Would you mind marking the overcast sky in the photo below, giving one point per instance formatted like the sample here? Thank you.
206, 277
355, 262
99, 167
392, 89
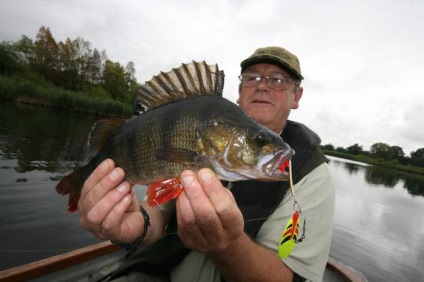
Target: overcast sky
363, 61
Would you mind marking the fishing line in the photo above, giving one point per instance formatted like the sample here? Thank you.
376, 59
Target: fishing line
290, 236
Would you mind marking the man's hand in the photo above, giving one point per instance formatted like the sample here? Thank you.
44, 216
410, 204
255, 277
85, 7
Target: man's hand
108, 206
209, 220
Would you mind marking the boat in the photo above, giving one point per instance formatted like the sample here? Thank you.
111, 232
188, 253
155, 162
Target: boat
94, 262
337, 271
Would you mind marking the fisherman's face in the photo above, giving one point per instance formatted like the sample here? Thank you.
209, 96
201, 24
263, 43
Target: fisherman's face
266, 105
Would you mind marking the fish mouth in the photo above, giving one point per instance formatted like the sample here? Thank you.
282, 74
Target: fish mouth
266, 169
272, 165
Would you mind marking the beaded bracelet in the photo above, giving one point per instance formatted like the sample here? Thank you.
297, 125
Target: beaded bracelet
132, 246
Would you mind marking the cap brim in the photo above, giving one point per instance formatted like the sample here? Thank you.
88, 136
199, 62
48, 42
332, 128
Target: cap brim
270, 60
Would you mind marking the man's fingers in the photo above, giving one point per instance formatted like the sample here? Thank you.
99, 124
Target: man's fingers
204, 211
221, 198
104, 206
114, 218
97, 175
188, 230
217, 194
90, 194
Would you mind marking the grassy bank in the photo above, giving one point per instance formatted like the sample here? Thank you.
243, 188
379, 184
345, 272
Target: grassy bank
379, 162
93, 101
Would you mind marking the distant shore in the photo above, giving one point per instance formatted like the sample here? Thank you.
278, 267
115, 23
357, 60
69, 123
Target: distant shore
378, 162
22, 91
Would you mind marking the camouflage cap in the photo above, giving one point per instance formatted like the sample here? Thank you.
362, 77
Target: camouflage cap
277, 56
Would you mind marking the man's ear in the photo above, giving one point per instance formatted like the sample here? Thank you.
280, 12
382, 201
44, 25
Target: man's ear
238, 99
297, 97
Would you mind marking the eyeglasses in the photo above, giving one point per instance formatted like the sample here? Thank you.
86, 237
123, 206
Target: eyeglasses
274, 81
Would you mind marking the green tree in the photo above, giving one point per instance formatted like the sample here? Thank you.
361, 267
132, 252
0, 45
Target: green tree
71, 64
80, 66
355, 149
417, 157
132, 86
8, 61
398, 152
83, 59
328, 147
25, 50
17, 56
69, 71
130, 76
341, 150
46, 60
114, 81
417, 154
93, 73
382, 150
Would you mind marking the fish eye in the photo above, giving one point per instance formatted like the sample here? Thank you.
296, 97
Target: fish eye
262, 139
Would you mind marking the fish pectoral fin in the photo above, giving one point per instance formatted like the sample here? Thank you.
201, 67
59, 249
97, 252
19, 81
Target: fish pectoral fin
159, 193
178, 155
101, 131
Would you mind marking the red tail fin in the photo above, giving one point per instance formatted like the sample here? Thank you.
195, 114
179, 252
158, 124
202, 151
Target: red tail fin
161, 192
71, 185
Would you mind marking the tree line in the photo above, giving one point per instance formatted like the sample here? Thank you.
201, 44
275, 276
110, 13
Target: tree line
379, 152
72, 65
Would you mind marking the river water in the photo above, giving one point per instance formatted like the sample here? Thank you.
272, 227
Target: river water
378, 228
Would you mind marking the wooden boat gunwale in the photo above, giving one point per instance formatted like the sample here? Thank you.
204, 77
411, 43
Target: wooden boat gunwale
58, 262
77, 257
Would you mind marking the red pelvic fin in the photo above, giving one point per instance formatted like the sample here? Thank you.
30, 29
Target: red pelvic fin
159, 193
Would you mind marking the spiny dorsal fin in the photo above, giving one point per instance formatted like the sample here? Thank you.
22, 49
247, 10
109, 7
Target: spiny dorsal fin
101, 131
193, 79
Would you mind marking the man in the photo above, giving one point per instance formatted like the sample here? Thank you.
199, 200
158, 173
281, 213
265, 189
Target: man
219, 226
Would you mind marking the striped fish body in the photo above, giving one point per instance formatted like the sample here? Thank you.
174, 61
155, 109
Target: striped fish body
160, 143
185, 126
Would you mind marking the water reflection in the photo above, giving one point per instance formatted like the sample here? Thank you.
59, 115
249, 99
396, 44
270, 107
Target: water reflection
37, 147
352, 168
378, 221
41, 139
414, 185
381, 176
389, 178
